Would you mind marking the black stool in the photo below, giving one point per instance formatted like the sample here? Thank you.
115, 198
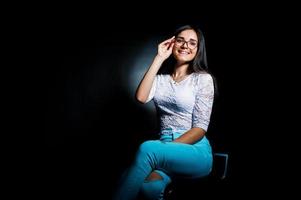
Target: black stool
185, 189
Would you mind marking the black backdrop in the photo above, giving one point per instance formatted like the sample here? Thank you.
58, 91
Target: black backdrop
93, 124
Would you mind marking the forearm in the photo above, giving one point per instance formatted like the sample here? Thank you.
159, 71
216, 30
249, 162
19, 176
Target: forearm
145, 85
192, 136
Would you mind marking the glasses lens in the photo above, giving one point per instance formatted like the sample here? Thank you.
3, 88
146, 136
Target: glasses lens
180, 41
190, 44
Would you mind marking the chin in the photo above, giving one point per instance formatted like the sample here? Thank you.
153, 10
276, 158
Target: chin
184, 59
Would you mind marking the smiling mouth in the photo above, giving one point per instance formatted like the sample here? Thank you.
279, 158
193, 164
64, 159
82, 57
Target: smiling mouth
183, 52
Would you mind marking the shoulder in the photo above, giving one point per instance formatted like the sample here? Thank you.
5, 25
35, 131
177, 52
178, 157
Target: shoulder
202, 77
162, 77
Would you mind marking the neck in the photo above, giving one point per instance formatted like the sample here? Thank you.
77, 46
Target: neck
180, 70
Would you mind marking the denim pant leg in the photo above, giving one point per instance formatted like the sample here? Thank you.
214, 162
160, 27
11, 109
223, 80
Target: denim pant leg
186, 160
154, 189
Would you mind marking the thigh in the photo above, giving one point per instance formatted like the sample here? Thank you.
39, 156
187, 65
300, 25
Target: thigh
183, 159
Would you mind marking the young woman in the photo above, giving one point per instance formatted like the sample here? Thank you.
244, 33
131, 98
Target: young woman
184, 98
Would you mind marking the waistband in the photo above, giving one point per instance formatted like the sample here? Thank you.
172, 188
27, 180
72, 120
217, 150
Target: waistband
169, 134
169, 131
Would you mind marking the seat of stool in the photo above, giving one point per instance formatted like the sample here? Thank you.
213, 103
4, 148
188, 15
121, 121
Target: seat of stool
188, 188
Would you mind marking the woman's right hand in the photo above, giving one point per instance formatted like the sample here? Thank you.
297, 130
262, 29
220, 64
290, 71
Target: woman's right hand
165, 48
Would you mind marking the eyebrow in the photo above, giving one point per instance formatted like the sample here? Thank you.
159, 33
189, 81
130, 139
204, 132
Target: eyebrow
188, 40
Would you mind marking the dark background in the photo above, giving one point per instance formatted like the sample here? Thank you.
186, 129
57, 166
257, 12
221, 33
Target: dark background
93, 125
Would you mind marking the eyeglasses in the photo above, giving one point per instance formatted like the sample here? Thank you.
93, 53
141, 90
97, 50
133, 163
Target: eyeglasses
191, 44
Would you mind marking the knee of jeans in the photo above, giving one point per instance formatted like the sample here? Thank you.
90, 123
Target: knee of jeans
149, 145
153, 189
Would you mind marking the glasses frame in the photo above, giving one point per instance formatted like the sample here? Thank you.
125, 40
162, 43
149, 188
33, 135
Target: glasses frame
185, 42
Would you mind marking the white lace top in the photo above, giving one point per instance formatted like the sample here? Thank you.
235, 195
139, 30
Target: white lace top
185, 104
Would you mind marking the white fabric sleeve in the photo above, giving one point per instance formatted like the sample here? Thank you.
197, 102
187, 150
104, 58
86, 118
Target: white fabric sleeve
153, 90
204, 102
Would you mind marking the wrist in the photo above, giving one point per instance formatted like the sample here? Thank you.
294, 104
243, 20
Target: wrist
159, 59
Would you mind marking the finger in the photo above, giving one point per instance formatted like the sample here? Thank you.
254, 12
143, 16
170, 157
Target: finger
170, 45
170, 39
165, 44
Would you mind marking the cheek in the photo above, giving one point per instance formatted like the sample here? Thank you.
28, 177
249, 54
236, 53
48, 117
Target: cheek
193, 54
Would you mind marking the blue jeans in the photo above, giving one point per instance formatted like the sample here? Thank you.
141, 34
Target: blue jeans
169, 160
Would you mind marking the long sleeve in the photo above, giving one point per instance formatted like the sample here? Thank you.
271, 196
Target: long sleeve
203, 103
153, 90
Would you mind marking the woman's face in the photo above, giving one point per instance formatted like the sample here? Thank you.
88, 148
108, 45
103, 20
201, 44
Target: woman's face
186, 46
